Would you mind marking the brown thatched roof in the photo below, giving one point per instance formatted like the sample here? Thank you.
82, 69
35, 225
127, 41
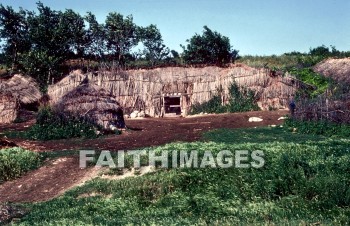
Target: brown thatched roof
91, 101
66, 85
23, 88
338, 69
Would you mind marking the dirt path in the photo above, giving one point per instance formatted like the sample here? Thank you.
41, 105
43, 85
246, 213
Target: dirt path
57, 176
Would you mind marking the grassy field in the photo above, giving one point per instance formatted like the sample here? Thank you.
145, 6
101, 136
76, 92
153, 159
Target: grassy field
305, 180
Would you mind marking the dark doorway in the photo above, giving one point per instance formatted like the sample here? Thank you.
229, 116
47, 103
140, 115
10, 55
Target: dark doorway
172, 105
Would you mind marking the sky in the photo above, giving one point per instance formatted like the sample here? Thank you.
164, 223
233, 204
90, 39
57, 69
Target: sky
254, 27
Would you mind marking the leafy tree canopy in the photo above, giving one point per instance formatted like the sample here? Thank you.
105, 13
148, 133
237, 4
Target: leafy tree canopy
209, 48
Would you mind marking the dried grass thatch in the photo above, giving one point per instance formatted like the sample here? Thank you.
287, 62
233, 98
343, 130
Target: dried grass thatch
8, 107
144, 89
24, 88
14, 92
90, 101
338, 69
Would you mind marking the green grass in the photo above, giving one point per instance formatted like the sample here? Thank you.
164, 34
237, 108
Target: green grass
305, 180
322, 127
14, 162
260, 135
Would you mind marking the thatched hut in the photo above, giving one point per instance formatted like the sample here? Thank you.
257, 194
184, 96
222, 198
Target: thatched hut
337, 69
173, 90
15, 93
90, 101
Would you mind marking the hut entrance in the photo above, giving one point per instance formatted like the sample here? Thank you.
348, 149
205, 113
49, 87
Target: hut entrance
172, 105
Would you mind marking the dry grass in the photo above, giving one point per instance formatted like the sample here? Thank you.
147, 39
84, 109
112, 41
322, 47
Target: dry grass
338, 69
15, 91
143, 89
90, 101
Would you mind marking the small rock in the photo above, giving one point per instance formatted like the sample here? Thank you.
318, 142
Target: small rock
255, 119
282, 118
141, 114
112, 127
126, 116
133, 115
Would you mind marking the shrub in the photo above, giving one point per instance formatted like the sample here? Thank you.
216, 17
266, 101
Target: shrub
14, 162
51, 124
214, 105
307, 75
240, 99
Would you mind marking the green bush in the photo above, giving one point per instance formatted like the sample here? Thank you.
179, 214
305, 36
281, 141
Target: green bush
308, 76
52, 125
16, 161
325, 128
241, 99
212, 106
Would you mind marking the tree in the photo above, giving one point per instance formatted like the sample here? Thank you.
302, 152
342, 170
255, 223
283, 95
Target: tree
209, 48
152, 40
14, 33
320, 51
121, 34
95, 37
72, 26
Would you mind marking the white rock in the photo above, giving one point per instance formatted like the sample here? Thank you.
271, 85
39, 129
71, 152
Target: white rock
141, 114
273, 125
201, 113
255, 119
126, 116
282, 118
112, 127
133, 115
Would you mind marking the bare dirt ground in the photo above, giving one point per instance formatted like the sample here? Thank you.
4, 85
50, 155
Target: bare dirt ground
58, 175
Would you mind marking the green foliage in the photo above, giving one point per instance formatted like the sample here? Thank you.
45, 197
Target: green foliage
325, 128
14, 162
209, 48
291, 60
214, 105
52, 125
281, 62
40, 43
155, 51
241, 99
121, 34
301, 183
308, 76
